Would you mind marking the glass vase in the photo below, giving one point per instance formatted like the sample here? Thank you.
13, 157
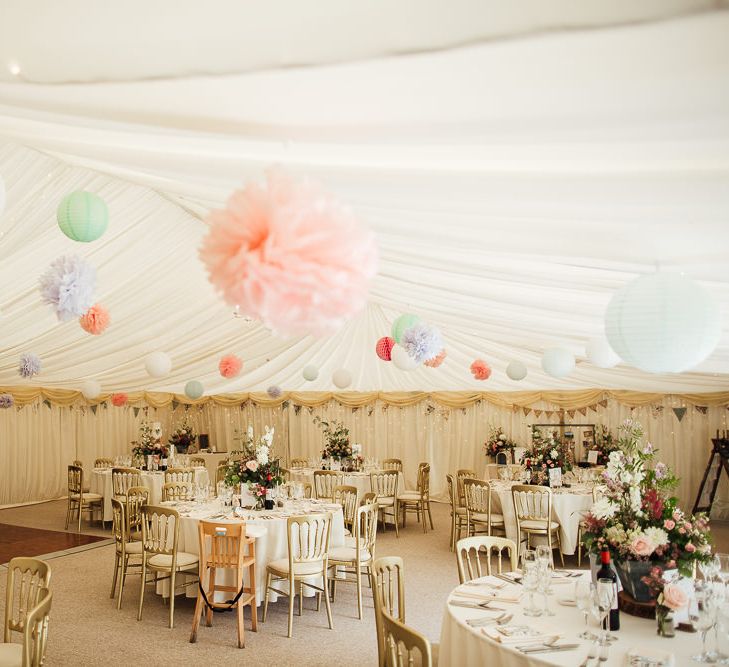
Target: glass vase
664, 622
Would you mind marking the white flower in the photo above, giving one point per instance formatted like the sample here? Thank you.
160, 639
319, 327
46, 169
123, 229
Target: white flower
554, 453
604, 509
616, 534
250, 433
657, 536
268, 437
262, 455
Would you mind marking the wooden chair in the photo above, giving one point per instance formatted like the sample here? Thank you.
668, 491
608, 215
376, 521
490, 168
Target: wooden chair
220, 473
34, 627
418, 501
103, 463
180, 475
160, 536
347, 497
176, 491
478, 507
392, 464
358, 557
462, 474
388, 591
308, 541
122, 479
325, 481
78, 500
298, 463
368, 498
226, 547
124, 549
533, 509
79, 463
469, 551
404, 646
384, 484
27, 578
197, 462
308, 492
136, 497
458, 513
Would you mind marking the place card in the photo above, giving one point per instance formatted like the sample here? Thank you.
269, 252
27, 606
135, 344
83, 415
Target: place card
592, 457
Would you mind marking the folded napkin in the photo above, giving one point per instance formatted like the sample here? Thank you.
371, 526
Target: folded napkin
488, 596
519, 634
642, 655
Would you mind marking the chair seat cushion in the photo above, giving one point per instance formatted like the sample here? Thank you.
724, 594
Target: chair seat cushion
348, 554
496, 519
135, 548
281, 566
385, 501
11, 655
347, 532
89, 497
532, 524
409, 495
461, 510
185, 561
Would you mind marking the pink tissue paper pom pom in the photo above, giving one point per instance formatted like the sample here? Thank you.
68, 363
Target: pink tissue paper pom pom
480, 370
230, 366
95, 319
437, 360
290, 255
119, 400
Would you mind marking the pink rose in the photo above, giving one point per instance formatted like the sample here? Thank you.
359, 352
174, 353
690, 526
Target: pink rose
687, 526
690, 548
669, 524
682, 530
677, 515
252, 465
641, 546
674, 597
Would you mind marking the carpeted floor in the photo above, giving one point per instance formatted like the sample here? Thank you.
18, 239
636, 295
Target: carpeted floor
86, 628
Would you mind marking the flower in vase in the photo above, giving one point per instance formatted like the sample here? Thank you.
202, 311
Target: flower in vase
674, 597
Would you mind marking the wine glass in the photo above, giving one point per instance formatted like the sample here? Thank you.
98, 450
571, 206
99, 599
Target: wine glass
606, 598
702, 614
545, 579
530, 581
544, 559
723, 563
710, 568
583, 594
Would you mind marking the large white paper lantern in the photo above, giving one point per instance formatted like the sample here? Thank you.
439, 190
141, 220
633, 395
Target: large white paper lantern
158, 364
516, 370
600, 354
662, 323
402, 359
342, 378
558, 362
310, 373
91, 389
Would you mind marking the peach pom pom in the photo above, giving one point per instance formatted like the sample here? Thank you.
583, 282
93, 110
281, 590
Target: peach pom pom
119, 400
95, 319
481, 370
290, 255
230, 366
437, 360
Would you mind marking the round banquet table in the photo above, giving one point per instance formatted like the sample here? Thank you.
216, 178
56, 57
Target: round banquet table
269, 527
462, 645
360, 480
568, 506
152, 480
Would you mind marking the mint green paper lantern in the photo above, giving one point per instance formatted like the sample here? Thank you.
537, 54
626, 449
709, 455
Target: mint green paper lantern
402, 323
194, 389
83, 216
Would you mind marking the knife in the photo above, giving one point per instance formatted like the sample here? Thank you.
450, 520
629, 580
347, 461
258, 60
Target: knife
507, 579
548, 649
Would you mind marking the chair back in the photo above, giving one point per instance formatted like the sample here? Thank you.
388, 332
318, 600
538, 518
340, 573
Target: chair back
532, 502
118, 523
160, 531
103, 463
470, 550
35, 635
463, 474
220, 473
424, 480
325, 481
451, 492
197, 462
404, 646
388, 591
477, 495
308, 538
298, 463
368, 498
122, 479
75, 480
26, 580
285, 473
384, 483
136, 497
221, 545
176, 491
365, 527
78, 462
307, 489
392, 464
179, 475
347, 497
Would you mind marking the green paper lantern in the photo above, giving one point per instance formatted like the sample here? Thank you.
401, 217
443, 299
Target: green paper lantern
402, 323
194, 389
83, 216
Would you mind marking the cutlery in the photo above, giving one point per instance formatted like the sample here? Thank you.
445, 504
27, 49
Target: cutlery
503, 619
550, 648
508, 580
590, 655
498, 587
475, 605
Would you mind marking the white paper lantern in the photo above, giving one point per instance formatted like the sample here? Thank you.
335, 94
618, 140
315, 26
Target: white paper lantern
558, 362
662, 323
402, 359
342, 378
91, 389
311, 373
194, 389
158, 364
600, 354
516, 370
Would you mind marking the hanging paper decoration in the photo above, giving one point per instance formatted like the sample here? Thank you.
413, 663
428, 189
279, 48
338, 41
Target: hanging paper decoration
273, 391
6, 401
68, 285
558, 362
30, 365
600, 354
290, 255
437, 360
82, 216
95, 319
402, 359
158, 364
91, 389
194, 389
230, 366
663, 323
384, 348
421, 341
310, 373
401, 323
480, 370
516, 370
679, 412
119, 400
342, 378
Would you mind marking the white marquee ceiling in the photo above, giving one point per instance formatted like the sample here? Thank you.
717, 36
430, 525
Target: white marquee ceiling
513, 185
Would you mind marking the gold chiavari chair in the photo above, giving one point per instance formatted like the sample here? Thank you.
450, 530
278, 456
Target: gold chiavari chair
286, 474
124, 549
347, 497
325, 481
533, 509
462, 474
368, 498
176, 491
79, 463
388, 591
160, 536
384, 484
358, 557
298, 463
469, 551
404, 646
478, 508
180, 475
197, 462
122, 479
26, 580
308, 490
308, 541
80, 501
136, 497
392, 464
458, 513
220, 473
418, 501
225, 547
103, 463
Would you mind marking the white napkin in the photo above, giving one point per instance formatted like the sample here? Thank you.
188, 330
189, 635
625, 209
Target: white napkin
665, 658
495, 596
518, 634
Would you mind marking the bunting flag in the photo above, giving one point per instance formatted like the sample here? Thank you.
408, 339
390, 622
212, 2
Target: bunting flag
703, 409
571, 413
526, 411
679, 412
93, 408
136, 412
538, 413
593, 407
46, 402
603, 402
175, 405
583, 411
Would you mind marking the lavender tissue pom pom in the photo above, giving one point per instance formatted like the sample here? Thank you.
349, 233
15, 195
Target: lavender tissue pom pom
68, 285
6, 401
30, 365
274, 391
421, 341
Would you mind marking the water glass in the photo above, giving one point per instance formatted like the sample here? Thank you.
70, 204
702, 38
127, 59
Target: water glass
606, 596
702, 614
584, 591
545, 579
530, 581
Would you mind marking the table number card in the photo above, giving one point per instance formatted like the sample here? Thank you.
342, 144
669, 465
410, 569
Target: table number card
555, 477
592, 457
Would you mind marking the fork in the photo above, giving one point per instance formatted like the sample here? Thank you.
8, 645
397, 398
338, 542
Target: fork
502, 619
591, 655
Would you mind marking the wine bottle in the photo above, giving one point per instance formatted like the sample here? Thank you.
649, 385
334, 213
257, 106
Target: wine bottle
607, 572
268, 502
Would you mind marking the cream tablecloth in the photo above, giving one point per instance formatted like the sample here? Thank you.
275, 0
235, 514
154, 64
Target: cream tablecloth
361, 480
211, 462
462, 645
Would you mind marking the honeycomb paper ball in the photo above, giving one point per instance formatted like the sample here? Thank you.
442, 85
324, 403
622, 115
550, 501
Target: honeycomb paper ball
384, 348
194, 389
310, 373
83, 216
158, 364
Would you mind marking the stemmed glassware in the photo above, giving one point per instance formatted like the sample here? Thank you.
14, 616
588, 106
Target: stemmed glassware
530, 579
584, 590
703, 616
604, 598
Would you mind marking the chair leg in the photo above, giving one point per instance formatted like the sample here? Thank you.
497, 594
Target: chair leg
254, 603
172, 599
301, 598
265, 600
117, 559
211, 591
124, 565
240, 616
196, 618
68, 511
141, 589
359, 589
80, 512
430, 516
326, 599
559, 546
292, 595
396, 512
421, 510
453, 530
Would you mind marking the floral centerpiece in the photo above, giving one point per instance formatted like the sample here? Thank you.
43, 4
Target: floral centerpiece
547, 452
183, 436
254, 465
337, 444
150, 441
604, 444
639, 520
498, 442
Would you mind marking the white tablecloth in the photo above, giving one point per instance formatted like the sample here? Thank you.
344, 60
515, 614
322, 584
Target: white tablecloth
270, 530
462, 645
153, 480
361, 480
211, 462
567, 508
